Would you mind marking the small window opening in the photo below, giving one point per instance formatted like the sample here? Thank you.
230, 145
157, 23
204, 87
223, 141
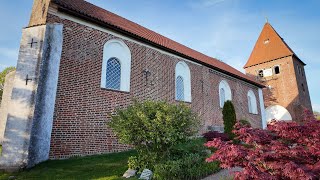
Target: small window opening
260, 73
303, 87
266, 41
277, 70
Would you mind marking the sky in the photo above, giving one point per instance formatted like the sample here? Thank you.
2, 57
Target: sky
224, 29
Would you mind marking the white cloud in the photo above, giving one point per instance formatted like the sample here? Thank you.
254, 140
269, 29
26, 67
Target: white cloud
316, 107
208, 3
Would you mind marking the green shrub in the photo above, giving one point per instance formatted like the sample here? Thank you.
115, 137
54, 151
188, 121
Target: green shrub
229, 118
153, 128
245, 122
192, 146
192, 166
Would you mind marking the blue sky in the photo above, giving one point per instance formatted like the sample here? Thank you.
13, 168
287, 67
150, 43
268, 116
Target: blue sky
224, 29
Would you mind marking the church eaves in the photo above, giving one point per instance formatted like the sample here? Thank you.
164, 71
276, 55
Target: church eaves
269, 46
100, 16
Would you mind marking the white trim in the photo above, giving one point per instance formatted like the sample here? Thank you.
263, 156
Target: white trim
277, 112
262, 109
253, 102
182, 69
227, 92
116, 48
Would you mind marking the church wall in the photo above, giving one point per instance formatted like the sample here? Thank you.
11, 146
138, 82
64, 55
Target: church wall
283, 88
304, 96
83, 108
6, 97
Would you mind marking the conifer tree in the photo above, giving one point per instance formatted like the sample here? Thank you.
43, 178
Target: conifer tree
229, 118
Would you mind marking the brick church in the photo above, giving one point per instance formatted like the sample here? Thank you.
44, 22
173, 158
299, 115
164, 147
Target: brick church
78, 63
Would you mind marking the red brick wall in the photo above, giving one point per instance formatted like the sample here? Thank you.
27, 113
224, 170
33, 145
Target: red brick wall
286, 89
82, 107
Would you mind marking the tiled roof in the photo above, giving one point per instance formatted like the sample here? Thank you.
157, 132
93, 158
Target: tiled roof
97, 14
269, 46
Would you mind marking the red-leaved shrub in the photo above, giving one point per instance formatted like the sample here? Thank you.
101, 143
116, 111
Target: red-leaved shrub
285, 150
209, 136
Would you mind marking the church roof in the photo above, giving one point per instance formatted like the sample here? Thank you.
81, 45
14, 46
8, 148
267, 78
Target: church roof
269, 46
95, 14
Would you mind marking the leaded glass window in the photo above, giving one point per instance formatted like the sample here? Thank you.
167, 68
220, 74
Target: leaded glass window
113, 74
250, 104
179, 89
222, 97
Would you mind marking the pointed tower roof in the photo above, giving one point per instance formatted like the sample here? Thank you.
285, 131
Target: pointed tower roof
269, 46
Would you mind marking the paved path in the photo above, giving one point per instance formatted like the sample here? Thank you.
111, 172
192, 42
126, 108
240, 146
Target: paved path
224, 174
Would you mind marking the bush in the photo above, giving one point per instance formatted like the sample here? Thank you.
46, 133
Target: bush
192, 146
209, 136
153, 128
244, 122
229, 118
286, 150
192, 166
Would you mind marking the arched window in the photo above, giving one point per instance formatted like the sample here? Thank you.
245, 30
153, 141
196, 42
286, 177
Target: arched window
224, 92
113, 76
252, 102
179, 89
116, 66
276, 70
183, 82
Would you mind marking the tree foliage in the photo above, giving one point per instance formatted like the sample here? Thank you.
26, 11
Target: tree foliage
153, 128
3, 78
286, 150
229, 118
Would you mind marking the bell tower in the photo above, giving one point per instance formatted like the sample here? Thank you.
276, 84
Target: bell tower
275, 65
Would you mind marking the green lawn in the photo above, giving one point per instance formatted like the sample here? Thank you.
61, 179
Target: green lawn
106, 167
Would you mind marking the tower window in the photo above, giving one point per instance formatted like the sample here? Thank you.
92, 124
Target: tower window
303, 88
260, 73
276, 70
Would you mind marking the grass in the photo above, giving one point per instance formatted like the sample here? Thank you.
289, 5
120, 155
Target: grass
98, 167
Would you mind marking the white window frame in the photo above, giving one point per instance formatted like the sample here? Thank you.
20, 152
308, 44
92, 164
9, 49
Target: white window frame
116, 48
182, 69
227, 93
252, 102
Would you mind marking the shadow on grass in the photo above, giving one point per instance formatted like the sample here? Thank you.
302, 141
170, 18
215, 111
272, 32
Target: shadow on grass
98, 167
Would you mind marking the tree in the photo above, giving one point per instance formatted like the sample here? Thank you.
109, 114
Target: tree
286, 150
229, 118
3, 78
317, 114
